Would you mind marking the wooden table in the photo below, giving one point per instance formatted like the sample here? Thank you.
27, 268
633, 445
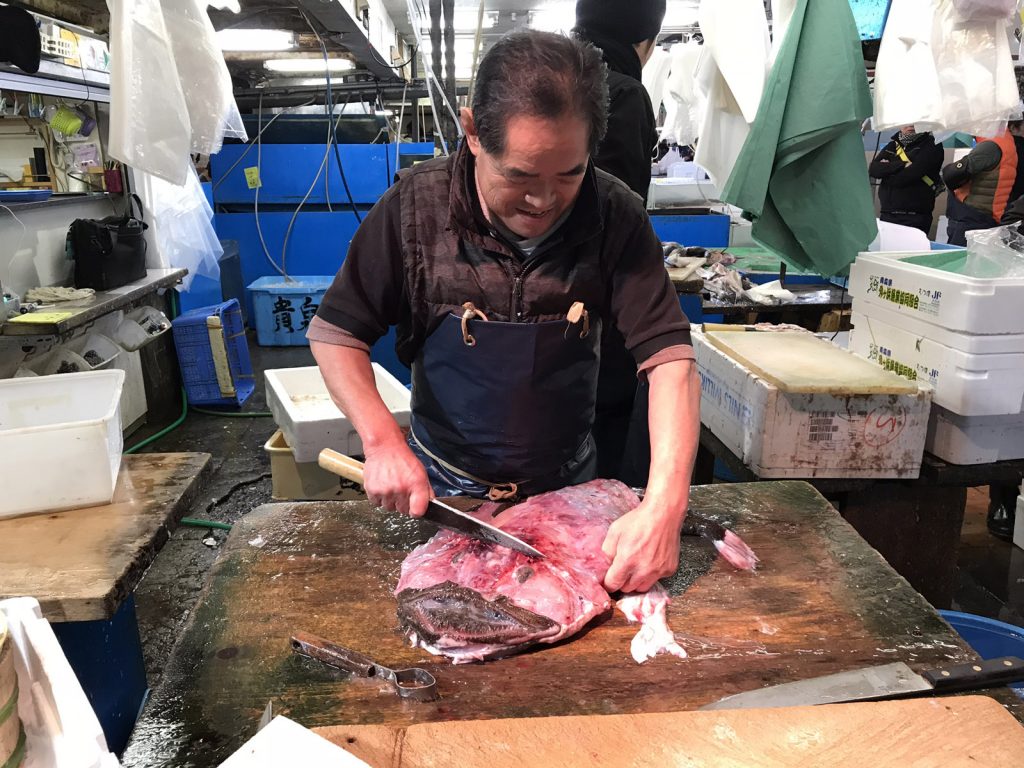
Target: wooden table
823, 601
83, 565
915, 524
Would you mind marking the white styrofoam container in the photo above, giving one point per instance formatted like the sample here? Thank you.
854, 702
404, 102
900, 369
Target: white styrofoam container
61, 729
60, 441
964, 383
1018, 523
969, 304
801, 435
310, 420
975, 439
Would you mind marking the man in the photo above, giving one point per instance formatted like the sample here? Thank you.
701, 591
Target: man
626, 32
909, 169
982, 183
519, 228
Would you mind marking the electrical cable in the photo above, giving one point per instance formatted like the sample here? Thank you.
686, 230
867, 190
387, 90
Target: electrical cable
330, 105
401, 119
259, 185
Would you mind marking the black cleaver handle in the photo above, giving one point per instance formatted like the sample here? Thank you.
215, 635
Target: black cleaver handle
980, 674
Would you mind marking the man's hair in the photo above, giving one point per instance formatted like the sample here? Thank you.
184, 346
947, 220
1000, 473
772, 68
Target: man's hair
539, 74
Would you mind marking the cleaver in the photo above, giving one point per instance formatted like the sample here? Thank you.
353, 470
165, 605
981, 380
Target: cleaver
889, 681
439, 513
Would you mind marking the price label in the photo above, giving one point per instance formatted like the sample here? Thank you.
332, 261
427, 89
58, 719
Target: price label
252, 177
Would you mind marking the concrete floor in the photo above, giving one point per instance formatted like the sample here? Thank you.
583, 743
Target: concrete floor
991, 571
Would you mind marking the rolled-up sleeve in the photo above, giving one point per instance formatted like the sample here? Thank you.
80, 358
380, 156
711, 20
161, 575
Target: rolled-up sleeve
366, 296
644, 302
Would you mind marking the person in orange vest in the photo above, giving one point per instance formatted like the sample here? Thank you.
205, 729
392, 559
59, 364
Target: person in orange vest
908, 172
984, 182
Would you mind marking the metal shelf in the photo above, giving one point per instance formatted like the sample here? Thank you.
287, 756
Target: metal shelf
60, 80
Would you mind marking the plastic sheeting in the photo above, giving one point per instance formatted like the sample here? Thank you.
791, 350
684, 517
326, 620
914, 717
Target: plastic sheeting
181, 220
164, 106
938, 71
731, 75
683, 105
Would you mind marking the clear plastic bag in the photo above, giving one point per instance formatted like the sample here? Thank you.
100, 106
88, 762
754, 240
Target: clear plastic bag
985, 10
996, 252
205, 80
149, 128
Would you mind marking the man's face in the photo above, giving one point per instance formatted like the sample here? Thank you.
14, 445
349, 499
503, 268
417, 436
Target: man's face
908, 130
536, 179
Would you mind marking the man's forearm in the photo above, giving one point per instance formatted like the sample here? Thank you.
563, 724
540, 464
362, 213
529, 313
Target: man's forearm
351, 383
674, 420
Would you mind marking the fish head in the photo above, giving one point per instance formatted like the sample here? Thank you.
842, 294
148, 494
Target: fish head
450, 616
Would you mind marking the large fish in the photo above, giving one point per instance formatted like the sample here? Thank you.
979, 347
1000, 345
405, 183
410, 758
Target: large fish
470, 600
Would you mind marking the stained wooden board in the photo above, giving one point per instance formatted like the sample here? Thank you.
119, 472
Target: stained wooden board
822, 602
82, 563
801, 362
966, 730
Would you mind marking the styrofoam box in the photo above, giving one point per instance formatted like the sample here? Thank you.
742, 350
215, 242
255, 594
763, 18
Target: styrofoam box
60, 441
310, 420
61, 729
790, 435
969, 304
1018, 524
975, 439
966, 384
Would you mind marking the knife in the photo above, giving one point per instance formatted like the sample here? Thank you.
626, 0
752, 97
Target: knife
889, 681
439, 513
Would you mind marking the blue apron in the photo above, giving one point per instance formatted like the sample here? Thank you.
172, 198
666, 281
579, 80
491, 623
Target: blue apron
505, 409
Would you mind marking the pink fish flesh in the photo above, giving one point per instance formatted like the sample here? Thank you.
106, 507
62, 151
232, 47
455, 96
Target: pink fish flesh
471, 600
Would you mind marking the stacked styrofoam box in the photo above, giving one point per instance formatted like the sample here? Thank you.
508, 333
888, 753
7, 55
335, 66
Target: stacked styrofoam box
802, 435
962, 335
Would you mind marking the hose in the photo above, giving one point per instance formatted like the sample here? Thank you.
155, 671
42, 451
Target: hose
169, 428
197, 523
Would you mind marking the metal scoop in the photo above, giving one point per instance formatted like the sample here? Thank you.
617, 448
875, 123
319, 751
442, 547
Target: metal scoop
414, 683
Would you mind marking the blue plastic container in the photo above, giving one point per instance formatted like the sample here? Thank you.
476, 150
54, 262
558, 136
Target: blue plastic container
213, 355
283, 309
989, 638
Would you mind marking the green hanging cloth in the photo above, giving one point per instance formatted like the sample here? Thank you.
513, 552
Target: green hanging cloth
802, 171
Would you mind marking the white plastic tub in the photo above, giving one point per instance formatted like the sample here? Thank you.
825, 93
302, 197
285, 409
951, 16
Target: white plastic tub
310, 420
968, 384
60, 441
948, 299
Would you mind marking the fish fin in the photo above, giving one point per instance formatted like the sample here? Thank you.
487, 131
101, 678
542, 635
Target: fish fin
736, 552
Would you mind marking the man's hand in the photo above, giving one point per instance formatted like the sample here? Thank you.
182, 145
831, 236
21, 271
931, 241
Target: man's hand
394, 479
643, 546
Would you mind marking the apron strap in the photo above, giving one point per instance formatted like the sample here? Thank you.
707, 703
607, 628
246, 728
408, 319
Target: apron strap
469, 312
495, 492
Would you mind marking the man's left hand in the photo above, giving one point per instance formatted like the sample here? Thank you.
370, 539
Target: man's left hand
643, 546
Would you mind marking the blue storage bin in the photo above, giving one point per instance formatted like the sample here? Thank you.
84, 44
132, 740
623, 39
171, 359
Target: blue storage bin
282, 309
213, 355
989, 638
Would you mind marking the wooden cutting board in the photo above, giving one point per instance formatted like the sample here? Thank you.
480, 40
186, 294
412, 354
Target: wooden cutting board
953, 731
803, 363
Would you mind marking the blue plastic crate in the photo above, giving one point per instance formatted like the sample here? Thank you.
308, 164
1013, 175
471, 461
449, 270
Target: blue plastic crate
283, 309
215, 365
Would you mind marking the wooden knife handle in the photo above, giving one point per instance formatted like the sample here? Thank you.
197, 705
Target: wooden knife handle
980, 674
340, 464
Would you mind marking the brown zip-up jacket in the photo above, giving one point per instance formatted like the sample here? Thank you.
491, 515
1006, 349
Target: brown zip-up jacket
426, 248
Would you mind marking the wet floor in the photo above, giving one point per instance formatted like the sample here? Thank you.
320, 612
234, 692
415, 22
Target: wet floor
991, 580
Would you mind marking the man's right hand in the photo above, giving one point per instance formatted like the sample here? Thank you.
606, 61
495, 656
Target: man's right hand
394, 479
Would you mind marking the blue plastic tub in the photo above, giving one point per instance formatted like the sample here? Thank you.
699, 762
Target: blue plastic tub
989, 638
283, 309
213, 355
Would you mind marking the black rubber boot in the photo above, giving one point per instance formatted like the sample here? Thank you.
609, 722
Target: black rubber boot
1002, 508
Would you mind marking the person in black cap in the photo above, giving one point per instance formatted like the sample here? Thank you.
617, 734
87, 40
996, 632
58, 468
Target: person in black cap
626, 32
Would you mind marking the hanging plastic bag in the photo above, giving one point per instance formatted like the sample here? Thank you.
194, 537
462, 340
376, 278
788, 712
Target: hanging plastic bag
985, 10
996, 252
203, 74
149, 128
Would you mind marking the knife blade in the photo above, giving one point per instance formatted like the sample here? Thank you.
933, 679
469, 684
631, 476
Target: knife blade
439, 513
888, 681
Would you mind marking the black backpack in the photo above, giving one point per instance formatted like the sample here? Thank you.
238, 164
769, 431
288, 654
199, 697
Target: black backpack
110, 252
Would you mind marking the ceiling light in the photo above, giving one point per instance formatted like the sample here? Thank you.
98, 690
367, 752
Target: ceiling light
309, 65
554, 17
255, 40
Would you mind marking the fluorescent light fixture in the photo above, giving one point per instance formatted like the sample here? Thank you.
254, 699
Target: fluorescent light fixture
255, 40
384, 112
308, 65
680, 13
554, 17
